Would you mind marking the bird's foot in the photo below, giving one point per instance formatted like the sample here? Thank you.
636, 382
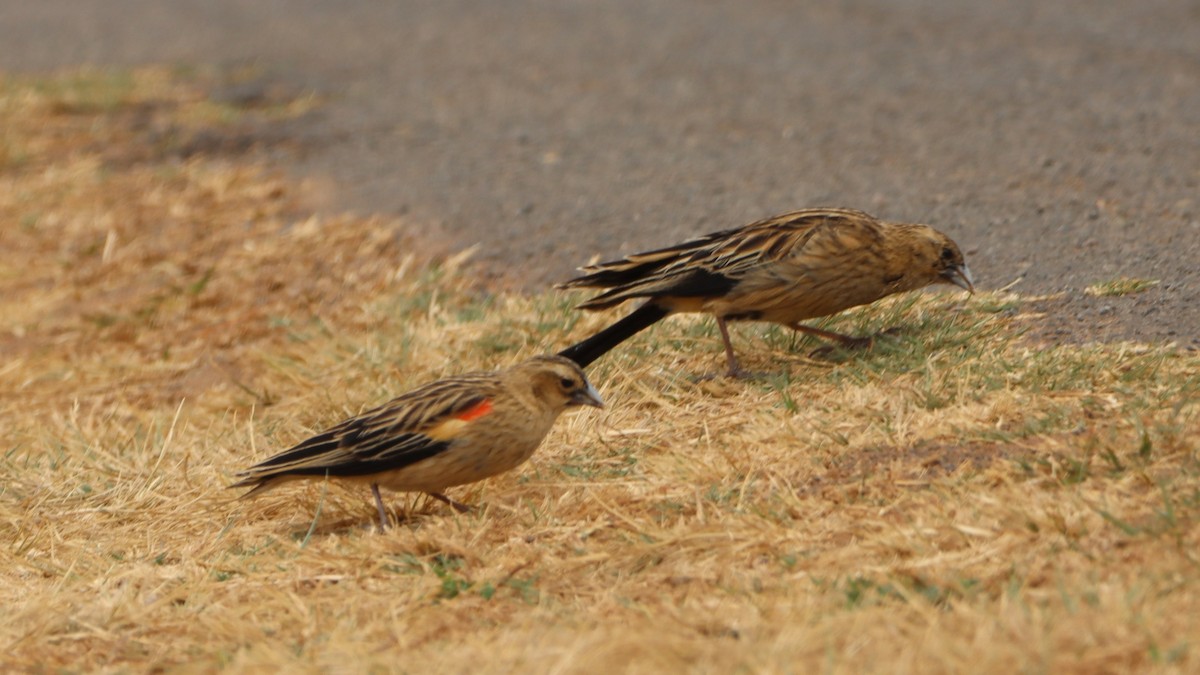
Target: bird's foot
851, 343
457, 506
737, 374
743, 374
848, 344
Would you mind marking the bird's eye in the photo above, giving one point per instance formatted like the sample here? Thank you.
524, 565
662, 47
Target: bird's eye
567, 383
947, 254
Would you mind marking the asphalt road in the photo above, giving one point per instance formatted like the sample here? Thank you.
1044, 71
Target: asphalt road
1058, 142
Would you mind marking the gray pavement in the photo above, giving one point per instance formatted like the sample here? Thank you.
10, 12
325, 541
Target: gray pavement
1058, 142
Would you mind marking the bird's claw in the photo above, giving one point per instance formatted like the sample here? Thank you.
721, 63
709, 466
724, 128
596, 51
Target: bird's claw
849, 343
457, 506
737, 374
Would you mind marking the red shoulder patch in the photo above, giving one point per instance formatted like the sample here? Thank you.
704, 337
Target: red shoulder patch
476, 411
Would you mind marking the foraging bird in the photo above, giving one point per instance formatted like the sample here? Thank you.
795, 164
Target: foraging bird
786, 269
450, 432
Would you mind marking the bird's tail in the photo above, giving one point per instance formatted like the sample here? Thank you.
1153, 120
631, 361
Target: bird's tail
592, 348
257, 484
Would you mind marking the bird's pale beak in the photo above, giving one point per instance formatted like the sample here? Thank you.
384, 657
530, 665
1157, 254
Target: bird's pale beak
588, 396
960, 275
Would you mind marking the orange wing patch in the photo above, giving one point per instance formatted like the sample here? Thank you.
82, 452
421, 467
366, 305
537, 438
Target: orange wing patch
454, 425
476, 411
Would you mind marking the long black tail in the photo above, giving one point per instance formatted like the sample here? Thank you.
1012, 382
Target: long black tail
599, 344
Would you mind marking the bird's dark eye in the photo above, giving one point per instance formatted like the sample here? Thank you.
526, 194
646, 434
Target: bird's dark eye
947, 254
567, 383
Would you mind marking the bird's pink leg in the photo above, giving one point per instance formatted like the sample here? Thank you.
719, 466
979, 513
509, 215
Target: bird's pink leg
457, 506
730, 358
847, 341
379, 505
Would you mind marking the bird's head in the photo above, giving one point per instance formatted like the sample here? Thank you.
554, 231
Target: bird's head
939, 259
560, 383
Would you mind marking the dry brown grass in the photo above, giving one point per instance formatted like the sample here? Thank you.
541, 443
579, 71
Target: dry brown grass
956, 500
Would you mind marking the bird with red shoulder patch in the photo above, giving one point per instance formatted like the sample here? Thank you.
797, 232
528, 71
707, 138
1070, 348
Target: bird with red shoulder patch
450, 432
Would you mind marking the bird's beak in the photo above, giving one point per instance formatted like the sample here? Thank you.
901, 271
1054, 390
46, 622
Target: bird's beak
588, 396
960, 275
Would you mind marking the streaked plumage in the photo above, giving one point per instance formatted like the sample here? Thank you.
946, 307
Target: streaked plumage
786, 269
450, 432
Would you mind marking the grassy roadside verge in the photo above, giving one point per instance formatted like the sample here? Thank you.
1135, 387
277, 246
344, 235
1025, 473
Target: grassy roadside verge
957, 499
